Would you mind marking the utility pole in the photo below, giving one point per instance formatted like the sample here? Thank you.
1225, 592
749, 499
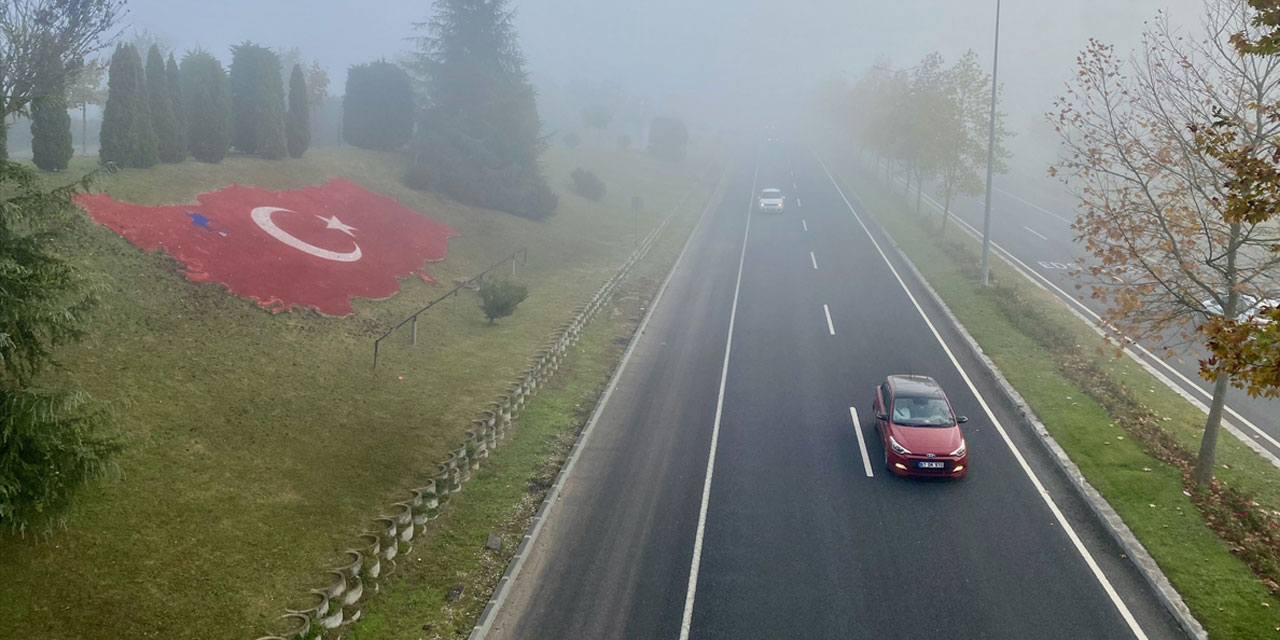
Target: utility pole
991, 152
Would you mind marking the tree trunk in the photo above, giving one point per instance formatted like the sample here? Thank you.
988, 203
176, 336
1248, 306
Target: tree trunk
1209, 443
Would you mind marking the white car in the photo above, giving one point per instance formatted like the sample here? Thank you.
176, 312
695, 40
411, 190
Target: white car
1252, 308
771, 200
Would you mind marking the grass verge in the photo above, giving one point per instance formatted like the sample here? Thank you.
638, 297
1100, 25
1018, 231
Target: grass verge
259, 444
1220, 588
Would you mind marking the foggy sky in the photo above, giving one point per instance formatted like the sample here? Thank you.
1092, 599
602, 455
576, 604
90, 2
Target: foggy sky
742, 62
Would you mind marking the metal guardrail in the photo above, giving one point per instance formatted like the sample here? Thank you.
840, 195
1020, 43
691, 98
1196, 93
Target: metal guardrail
479, 278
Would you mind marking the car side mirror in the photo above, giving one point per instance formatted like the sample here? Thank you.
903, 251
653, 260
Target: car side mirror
882, 416
961, 419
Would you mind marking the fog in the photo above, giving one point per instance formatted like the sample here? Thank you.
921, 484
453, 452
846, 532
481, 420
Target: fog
724, 63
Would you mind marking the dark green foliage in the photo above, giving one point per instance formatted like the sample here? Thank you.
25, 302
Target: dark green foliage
668, 139
207, 94
257, 101
297, 131
51, 442
499, 298
50, 125
571, 139
377, 110
479, 137
173, 82
597, 116
160, 102
624, 141
127, 139
588, 185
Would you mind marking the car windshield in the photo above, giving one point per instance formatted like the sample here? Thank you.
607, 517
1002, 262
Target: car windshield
921, 411
771, 193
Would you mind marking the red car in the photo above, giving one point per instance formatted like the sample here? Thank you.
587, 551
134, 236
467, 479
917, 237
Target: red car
920, 432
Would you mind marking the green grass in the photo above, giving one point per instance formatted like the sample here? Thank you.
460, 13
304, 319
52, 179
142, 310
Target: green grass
1222, 592
259, 444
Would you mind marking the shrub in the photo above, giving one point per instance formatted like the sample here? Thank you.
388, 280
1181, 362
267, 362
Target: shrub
572, 139
668, 138
588, 185
377, 109
499, 298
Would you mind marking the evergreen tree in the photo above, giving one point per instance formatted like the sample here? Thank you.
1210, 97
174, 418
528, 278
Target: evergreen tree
51, 145
127, 139
173, 82
479, 137
298, 124
257, 101
207, 94
377, 109
160, 102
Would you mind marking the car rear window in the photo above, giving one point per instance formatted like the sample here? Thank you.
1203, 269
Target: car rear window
772, 193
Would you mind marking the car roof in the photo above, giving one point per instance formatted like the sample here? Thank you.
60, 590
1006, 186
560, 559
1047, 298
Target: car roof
914, 385
768, 189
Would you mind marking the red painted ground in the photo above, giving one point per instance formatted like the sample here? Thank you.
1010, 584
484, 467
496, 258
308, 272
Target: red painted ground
316, 247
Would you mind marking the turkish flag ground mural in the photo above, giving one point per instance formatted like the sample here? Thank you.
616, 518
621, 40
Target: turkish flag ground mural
316, 247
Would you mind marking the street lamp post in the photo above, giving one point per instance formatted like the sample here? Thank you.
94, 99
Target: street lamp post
991, 151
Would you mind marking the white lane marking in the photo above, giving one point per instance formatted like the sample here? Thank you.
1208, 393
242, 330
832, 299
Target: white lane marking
814, 260
1033, 205
795, 187
797, 202
1148, 363
804, 224
862, 445
1034, 233
687, 620
830, 327
1022, 462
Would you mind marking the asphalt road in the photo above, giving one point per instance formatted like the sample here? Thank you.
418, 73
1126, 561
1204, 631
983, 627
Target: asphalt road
1040, 240
785, 532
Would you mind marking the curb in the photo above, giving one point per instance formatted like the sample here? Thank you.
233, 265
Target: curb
487, 617
1111, 520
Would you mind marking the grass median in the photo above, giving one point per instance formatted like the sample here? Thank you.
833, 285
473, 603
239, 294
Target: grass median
259, 444
1221, 589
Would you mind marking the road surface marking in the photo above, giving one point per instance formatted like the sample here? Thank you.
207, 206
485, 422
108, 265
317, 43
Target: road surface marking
804, 224
830, 327
862, 445
687, 620
814, 260
1151, 360
1034, 233
1034, 205
795, 187
797, 202
1022, 462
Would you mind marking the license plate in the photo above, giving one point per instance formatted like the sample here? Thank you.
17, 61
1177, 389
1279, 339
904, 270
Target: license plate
927, 464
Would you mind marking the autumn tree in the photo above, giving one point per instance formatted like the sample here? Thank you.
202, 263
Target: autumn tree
30, 30
963, 130
1153, 202
86, 89
317, 85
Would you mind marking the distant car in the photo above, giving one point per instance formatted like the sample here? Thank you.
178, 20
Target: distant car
918, 429
1253, 309
771, 200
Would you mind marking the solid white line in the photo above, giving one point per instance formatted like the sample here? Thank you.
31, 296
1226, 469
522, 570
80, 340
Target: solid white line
830, 327
862, 445
804, 224
1033, 232
1022, 462
1151, 360
1033, 205
687, 620
814, 260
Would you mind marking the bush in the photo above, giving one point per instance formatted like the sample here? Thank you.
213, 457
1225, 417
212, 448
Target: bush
588, 185
461, 175
377, 109
572, 139
668, 139
499, 298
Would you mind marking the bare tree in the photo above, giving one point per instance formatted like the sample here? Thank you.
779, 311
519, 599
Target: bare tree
1151, 198
72, 29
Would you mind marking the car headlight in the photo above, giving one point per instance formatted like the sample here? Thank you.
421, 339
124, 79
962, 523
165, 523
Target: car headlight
897, 448
959, 452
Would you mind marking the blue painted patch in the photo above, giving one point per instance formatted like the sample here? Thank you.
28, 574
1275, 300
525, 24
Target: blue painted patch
201, 221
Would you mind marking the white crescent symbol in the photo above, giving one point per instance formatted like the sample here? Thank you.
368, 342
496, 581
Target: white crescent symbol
262, 217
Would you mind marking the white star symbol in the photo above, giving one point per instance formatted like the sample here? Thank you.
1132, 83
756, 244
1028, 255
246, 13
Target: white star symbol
332, 222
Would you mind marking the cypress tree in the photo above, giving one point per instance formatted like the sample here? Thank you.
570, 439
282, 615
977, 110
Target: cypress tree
160, 102
173, 81
298, 124
377, 108
127, 138
257, 101
207, 94
51, 144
